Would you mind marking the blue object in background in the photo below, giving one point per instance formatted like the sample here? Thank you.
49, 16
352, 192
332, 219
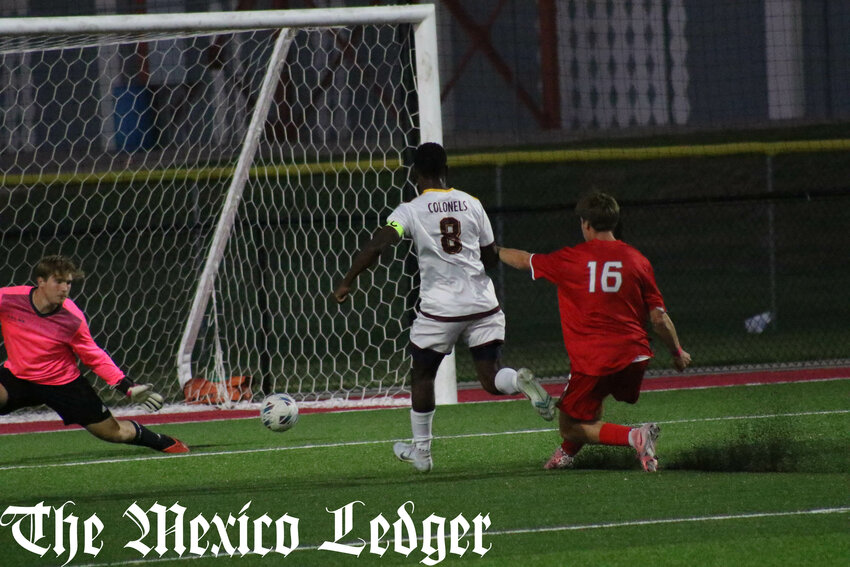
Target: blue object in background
134, 121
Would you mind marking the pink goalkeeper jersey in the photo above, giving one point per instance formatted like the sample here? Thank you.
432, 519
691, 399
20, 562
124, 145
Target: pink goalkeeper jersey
43, 348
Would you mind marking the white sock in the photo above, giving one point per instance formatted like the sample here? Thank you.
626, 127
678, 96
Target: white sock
506, 381
633, 436
420, 423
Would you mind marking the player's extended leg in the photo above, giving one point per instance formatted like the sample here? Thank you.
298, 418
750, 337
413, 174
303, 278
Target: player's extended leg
422, 405
501, 381
581, 417
576, 433
115, 431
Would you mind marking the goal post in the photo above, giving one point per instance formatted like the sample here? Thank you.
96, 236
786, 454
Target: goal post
241, 154
228, 211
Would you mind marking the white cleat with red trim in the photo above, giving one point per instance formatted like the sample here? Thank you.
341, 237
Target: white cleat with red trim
643, 440
559, 460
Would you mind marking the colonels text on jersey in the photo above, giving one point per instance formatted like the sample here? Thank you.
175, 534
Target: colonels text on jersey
448, 228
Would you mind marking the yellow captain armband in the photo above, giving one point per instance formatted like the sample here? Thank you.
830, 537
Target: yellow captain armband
398, 228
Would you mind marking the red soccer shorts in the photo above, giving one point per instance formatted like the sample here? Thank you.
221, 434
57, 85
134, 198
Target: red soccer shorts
583, 397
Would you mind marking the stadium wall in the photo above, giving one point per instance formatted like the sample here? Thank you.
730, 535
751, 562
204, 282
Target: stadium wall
732, 236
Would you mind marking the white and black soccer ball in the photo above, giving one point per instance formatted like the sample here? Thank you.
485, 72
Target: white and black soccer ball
279, 412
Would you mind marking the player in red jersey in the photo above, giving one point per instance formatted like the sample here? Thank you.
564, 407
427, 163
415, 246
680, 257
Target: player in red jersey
44, 333
606, 293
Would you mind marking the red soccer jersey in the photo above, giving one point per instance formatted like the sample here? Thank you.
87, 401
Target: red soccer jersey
605, 292
44, 348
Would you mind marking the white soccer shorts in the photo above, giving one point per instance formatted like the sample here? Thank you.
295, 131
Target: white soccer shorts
442, 336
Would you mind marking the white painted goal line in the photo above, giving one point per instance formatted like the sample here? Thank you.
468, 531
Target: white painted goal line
388, 441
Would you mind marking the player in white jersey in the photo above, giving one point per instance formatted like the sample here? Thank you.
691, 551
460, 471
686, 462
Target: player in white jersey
454, 243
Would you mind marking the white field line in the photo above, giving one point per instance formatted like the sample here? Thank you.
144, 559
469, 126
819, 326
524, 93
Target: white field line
339, 407
387, 441
632, 523
331, 405
544, 529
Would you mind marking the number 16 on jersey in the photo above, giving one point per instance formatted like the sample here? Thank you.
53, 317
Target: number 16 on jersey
610, 279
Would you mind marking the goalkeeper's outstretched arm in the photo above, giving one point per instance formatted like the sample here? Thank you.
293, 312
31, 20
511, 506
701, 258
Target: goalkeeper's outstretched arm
365, 259
143, 394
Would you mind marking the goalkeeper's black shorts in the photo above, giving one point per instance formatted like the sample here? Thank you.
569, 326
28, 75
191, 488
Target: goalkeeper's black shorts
75, 402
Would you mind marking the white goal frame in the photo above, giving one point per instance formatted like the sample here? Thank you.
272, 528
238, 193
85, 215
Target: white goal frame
421, 17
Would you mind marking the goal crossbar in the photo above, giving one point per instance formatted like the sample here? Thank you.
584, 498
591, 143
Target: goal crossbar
215, 21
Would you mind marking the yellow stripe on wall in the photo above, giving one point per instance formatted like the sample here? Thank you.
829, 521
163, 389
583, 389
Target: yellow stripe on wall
211, 173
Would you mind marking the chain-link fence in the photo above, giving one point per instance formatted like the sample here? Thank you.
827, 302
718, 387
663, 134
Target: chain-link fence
749, 251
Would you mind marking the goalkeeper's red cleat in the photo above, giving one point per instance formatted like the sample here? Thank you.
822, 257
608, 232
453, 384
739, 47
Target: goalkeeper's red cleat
177, 447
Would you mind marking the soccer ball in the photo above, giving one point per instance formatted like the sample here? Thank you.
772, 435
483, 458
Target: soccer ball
279, 412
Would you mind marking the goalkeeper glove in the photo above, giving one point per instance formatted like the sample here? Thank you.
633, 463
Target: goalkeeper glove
140, 394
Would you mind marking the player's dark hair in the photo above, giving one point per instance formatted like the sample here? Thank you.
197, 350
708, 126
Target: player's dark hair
430, 160
600, 210
56, 265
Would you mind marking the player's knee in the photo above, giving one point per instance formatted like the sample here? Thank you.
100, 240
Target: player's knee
487, 353
487, 364
425, 362
4, 397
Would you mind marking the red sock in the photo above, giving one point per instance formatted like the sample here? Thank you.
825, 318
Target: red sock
571, 448
613, 434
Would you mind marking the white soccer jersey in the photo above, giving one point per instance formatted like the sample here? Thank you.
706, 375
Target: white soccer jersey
448, 228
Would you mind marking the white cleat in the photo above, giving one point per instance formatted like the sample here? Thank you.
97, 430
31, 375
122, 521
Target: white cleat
540, 398
409, 453
644, 438
559, 460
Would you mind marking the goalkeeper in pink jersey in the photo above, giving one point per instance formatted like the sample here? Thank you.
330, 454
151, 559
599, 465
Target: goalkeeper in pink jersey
45, 333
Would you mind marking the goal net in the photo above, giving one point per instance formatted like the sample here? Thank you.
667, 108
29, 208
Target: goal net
213, 175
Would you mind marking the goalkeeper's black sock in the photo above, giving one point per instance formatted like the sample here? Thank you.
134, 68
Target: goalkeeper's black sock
147, 438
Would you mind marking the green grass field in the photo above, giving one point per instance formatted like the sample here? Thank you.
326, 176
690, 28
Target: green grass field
750, 475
